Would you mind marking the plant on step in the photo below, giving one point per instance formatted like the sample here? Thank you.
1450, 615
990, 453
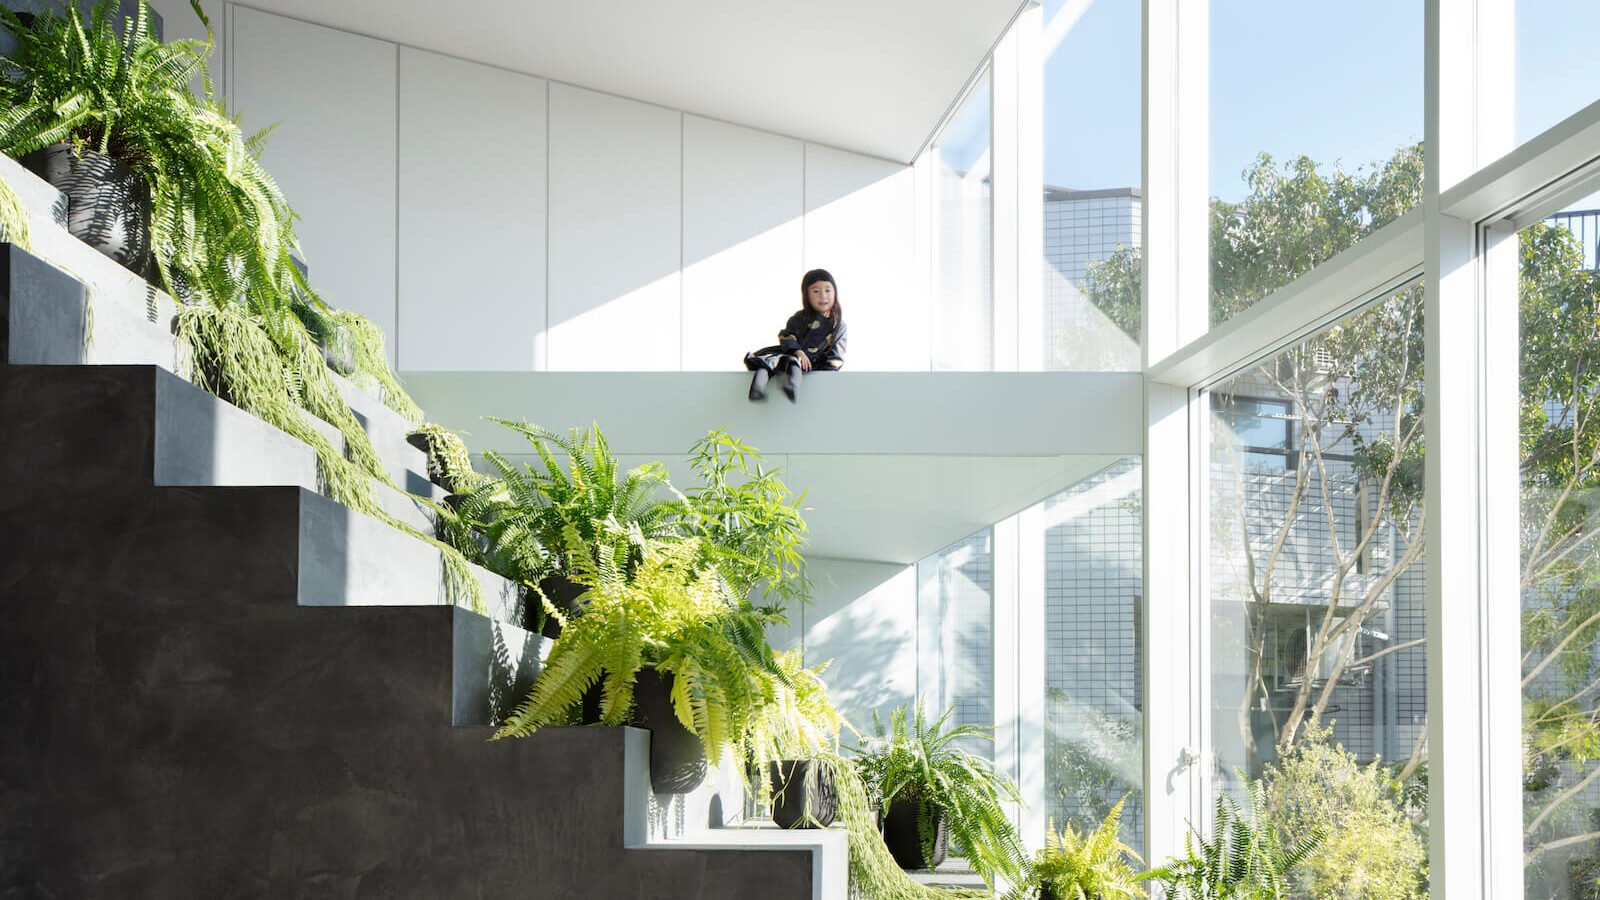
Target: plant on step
372, 373
221, 229
797, 724
562, 513
449, 463
278, 376
1244, 859
1082, 866
667, 615
873, 871
748, 518
13, 217
920, 762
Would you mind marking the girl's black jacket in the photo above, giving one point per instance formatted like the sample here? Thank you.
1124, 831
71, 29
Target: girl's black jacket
822, 338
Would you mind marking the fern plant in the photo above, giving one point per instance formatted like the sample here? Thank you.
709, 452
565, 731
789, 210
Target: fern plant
669, 615
920, 761
221, 229
1078, 866
1245, 860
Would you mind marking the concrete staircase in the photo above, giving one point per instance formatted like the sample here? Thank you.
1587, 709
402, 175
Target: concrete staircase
223, 684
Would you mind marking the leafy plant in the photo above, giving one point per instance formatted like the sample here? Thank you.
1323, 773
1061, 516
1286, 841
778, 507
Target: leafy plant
449, 463
1079, 866
1245, 860
668, 615
372, 373
920, 761
1372, 849
221, 229
13, 217
749, 520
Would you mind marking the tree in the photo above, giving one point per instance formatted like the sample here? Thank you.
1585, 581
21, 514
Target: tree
1354, 396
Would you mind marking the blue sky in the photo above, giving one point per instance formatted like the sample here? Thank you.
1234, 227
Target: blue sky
1337, 82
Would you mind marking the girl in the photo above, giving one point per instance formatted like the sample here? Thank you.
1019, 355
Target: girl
814, 338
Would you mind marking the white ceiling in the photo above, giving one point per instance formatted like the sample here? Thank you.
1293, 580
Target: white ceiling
872, 76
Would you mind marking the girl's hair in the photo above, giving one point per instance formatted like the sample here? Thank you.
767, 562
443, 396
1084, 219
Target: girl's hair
812, 277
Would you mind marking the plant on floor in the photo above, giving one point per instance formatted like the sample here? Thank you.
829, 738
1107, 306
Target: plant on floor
13, 217
1244, 860
748, 518
221, 229
669, 615
1082, 866
920, 762
1372, 849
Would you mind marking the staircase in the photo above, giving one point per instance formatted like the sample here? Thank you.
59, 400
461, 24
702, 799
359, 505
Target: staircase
220, 683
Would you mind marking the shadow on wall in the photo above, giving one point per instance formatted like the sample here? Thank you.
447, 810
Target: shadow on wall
864, 620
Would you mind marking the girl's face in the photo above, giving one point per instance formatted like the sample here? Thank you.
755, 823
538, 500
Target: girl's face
820, 296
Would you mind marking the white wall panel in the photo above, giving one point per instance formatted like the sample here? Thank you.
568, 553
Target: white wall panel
743, 234
471, 216
333, 152
859, 220
616, 216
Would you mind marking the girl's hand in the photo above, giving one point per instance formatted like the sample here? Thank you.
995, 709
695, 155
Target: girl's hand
805, 362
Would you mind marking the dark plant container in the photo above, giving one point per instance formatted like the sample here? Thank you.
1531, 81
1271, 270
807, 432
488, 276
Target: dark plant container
1046, 892
677, 758
900, 835
108, 204
563, 593
803, 794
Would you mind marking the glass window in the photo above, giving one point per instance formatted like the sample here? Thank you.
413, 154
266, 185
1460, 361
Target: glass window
1316, 115
963, 259
1093, 205
1560, 392
1094, 672
1318, 670
955, 639
1555, 62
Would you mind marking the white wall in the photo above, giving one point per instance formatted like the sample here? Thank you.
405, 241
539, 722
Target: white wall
864, 619
486, 229
471, 275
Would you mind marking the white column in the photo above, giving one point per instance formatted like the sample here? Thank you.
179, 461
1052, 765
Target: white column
1474, 715
1007, 636
1003, 218
1176, 274
1030, 674
1030, 188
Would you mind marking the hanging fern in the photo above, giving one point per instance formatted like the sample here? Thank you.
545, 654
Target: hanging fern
13, 217
449, 463
372, 366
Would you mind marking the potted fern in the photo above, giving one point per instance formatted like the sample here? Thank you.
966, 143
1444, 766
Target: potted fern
931, 790
1245, 860
798, 730
711, 673
159, 179
1083, 866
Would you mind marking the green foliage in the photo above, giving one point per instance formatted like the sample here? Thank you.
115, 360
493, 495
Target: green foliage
1078, 866
449, 462
749, 522
372, 372
920, 761
873, 871
1372, 851
221, 229
1245, 860
671, 615
13, 217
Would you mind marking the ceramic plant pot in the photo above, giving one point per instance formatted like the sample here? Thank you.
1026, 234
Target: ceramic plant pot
803, 794
108, 204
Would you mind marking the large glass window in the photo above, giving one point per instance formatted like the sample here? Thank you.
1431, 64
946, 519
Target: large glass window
1555, 62
955, 633
1316, 115
1093, 205
1094, 673
1560, 322
1318, 665
963, 237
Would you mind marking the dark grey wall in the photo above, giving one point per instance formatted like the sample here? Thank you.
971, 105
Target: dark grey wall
176, 726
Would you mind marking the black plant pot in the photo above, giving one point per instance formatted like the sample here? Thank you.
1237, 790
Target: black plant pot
108, 204
677, 758
900, 835
803, 794
563, 593
1046, 892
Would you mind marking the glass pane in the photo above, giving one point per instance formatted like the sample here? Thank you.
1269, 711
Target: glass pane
1560, 303
1093, 205
955, 641
963, 338
1094, 688
1555, 62
1316, 115
1318, 671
